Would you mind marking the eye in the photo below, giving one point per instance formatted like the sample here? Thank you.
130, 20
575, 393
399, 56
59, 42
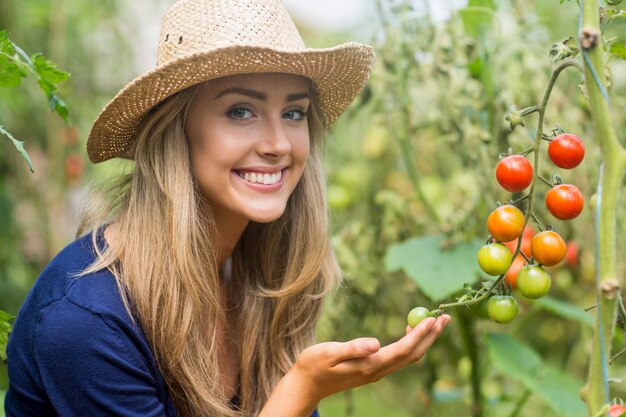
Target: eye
240, 113
295, 114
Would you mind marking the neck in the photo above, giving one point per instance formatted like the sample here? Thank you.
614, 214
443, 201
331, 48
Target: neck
229, 232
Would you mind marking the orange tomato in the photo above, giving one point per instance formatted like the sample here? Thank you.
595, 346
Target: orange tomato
505, 223
548, 247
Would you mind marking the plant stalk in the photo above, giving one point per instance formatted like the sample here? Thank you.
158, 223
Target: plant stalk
612, 171
467, 328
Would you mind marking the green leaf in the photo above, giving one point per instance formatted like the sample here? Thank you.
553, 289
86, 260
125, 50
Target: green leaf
559, 390
11, 73
6, 46
478, 16
618, 49
565, 310
47, 70
20, 148
59, 106
5, 329
439, 273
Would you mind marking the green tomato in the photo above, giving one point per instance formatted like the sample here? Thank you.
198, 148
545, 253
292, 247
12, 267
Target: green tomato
494, 258
533, 282
502, 308
416, 316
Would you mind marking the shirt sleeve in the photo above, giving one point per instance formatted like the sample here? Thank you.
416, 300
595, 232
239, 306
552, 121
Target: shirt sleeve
90, 367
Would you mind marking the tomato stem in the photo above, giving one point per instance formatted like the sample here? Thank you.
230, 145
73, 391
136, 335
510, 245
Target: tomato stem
527, 151
519, 200
617, 355
545, 181
537, 222
525, 257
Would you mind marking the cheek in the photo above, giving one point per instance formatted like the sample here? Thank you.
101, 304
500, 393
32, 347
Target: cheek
302, 147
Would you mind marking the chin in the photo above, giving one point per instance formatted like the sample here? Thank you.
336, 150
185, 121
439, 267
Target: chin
266, 217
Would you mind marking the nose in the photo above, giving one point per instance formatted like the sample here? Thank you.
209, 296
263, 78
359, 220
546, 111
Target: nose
275, 141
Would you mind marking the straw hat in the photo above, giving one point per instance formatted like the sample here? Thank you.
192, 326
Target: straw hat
206, 39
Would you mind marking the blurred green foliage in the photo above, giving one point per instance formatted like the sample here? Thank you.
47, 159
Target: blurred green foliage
412, 159
413, 164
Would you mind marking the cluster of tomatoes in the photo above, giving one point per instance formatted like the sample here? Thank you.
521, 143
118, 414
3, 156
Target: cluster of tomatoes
510, 233
507, 225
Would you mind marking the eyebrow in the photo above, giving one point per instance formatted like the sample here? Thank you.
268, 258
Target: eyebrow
259, 95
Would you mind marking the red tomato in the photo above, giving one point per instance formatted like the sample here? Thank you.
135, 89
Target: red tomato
529, 232
548, 248
565, 201
566, 151
514, 173
617, 410
511, 274
505, 223
571, 254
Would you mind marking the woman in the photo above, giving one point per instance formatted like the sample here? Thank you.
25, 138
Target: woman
198, 290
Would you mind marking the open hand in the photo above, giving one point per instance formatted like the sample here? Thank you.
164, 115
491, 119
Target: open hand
327, 368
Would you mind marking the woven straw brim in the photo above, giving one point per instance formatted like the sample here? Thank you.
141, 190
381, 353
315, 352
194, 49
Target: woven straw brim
339, 74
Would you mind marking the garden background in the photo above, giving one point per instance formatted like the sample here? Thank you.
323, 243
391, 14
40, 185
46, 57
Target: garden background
411, 182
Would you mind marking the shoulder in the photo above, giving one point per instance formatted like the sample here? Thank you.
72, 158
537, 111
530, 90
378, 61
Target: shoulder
65, 306
74, 328
63, 279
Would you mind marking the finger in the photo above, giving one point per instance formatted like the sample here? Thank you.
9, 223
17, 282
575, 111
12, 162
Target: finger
413, 346
420, 348
396, 355
391, 353
354, 349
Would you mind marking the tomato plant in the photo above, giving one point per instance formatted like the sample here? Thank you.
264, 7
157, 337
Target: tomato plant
514, 173
502, 308
505, 223
566, 151
533, 282
494, 258
417, 315
564, 201
548, 247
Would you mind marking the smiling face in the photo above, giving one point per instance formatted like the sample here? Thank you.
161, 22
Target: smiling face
249, 141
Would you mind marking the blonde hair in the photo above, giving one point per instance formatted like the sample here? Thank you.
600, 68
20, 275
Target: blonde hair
165, 262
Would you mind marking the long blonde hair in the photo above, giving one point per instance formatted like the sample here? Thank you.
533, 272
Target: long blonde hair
165, 262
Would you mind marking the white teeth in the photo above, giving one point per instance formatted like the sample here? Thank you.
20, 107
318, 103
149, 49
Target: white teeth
259, 178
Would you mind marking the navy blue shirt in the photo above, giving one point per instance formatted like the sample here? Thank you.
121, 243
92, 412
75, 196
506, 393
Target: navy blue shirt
74, 350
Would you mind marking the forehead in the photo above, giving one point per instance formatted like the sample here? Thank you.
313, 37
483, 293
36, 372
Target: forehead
263, 82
